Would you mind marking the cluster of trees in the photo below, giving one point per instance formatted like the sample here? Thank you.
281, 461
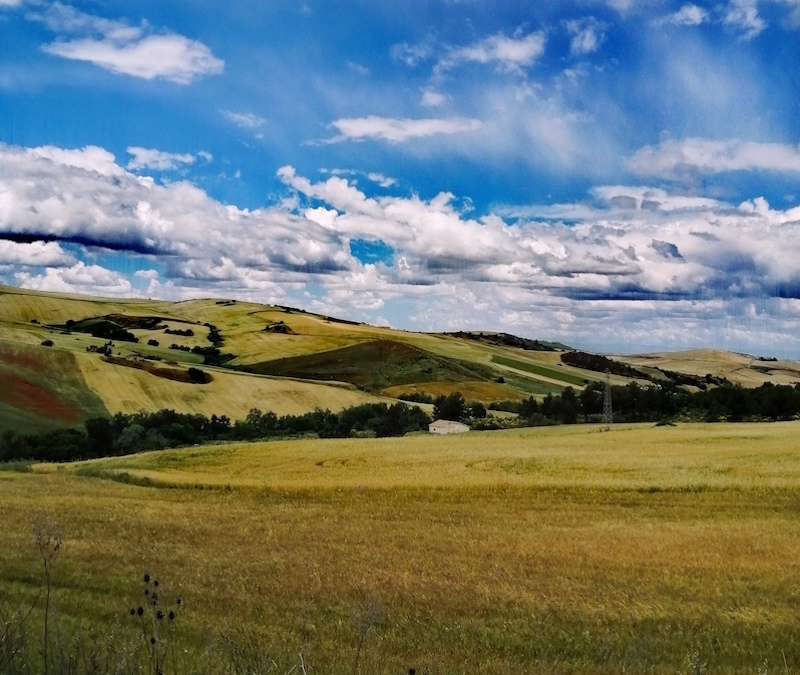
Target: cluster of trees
663, 401
124, 434
631, 403
214, 336
507, 340
600, 364
107, 330
454, 407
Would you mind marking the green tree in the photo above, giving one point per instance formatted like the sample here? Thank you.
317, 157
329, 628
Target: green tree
99, 436
450, 407
476, 410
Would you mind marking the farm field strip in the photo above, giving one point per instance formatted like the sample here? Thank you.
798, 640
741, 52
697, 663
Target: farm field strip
544, 371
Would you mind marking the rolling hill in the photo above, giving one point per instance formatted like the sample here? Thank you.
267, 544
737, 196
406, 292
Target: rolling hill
65, 358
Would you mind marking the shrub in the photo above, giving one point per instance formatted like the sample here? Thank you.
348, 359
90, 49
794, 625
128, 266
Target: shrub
198, 375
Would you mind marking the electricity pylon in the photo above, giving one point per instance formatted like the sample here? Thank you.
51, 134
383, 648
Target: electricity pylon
608, 412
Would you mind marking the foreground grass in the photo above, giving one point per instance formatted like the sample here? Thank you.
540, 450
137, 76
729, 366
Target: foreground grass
554, 551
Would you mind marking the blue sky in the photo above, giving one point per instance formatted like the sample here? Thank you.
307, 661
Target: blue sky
620, 175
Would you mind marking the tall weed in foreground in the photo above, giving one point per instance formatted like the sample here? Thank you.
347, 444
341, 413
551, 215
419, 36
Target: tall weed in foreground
364, 619
156, 618
33, 641
48, 541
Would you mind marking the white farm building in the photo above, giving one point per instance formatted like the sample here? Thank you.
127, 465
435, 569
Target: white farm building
447, 427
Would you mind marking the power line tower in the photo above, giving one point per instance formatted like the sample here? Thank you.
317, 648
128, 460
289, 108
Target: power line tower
608, 412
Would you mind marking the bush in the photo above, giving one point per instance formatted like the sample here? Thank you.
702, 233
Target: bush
198, 375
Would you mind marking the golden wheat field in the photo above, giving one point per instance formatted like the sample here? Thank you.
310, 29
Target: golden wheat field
232, 394
558, 550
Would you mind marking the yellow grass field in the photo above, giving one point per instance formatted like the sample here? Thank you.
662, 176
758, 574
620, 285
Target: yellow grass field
128, 390
553, 550
631, 457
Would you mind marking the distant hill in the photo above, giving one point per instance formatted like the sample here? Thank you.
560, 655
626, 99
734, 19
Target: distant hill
64, 358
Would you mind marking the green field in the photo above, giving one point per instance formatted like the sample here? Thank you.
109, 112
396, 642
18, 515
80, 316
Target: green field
551, 550
539, 369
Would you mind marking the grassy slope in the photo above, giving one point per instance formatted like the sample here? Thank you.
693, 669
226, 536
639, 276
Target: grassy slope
241, 325
738, 368
641, 550
43, 388
233, 394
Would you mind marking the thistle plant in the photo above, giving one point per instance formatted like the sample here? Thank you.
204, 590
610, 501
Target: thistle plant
157, 620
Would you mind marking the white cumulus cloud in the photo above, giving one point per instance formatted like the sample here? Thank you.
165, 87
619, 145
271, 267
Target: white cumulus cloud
508, 52
586, 36
649, 258
688, 15
149, 158
398, 130
743, 15
36, 254
80, 278
139, 51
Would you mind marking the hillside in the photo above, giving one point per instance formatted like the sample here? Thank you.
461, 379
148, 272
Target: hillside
742, 369
66, 358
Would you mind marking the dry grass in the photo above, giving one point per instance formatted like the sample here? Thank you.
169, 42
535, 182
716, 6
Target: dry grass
542, 551
128, 390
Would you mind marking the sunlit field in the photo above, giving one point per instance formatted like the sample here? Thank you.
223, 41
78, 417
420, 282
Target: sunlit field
559, 550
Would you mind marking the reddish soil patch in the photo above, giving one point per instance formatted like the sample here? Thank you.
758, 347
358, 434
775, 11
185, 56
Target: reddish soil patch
20, 393
12, 357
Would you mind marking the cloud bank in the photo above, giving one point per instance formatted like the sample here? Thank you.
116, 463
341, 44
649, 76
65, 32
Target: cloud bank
702, 155
652, 259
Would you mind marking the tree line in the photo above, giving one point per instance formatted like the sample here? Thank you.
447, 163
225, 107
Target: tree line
125, 434
660, 402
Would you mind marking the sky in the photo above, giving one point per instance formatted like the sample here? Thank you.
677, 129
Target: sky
618, 175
